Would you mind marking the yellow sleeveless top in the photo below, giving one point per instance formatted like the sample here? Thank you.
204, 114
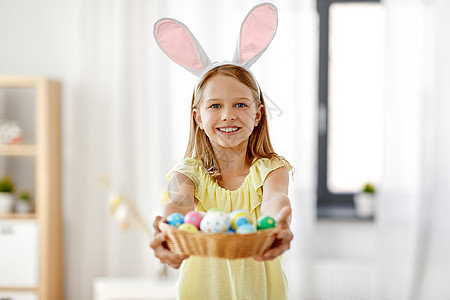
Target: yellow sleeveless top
217, 278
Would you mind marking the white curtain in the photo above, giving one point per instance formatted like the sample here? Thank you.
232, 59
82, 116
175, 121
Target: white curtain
135, 107
414, 202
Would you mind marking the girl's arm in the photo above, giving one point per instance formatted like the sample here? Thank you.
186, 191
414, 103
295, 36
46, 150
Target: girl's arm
276, 203
181, 195
182, 200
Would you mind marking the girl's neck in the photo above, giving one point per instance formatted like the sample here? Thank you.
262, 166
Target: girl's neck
233, 161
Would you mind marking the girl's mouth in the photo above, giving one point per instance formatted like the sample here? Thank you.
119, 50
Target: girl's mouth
228, 129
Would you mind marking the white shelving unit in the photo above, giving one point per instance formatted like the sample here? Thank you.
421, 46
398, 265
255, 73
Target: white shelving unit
31, 245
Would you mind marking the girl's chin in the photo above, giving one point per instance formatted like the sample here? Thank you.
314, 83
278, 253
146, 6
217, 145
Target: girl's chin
230, 145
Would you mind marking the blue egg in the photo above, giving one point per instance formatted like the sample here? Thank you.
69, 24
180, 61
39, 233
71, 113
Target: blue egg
241, 221
239, 217
175, 219
246, 228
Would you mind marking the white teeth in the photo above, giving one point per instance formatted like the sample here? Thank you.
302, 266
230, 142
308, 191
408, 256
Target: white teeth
228, 129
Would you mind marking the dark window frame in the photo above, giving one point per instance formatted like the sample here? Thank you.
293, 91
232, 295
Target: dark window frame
329, 204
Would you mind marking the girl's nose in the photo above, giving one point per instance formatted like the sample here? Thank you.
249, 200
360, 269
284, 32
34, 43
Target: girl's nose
228, 115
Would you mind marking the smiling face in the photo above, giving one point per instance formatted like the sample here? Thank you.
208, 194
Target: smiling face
227, 113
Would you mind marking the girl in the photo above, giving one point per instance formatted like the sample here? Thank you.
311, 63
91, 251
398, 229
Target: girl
229, 162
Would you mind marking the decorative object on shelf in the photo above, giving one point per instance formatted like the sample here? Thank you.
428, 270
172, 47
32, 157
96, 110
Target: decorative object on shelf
365, 201
10, 132
125, 212
23, 202
6, 194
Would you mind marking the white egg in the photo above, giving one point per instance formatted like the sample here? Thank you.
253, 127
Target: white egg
215, 222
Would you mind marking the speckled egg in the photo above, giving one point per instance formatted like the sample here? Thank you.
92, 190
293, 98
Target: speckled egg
215, 222
245, 228
239, 217
265, 222
175, 219
188, 227
194, 218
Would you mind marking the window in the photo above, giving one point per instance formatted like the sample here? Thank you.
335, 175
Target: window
351, 67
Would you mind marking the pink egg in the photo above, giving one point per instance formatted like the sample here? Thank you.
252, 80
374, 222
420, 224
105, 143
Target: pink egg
194, 218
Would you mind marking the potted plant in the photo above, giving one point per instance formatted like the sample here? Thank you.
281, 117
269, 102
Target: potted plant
6, 194
365, 201
23, 203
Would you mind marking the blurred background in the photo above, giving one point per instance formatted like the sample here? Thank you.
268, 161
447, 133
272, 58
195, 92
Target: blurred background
358, 94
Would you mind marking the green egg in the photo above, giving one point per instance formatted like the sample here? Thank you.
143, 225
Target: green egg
265, 222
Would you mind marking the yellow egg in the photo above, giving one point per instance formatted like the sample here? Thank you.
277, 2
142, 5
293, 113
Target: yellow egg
188, 227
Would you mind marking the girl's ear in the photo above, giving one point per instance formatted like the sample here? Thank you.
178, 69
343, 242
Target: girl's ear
257, 31
259, 114
197, 117
180, 45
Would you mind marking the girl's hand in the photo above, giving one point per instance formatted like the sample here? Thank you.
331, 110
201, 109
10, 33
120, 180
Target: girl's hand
158, 244
283, 238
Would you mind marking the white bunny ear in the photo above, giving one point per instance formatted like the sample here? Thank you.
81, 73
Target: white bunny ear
257, 31
180, 45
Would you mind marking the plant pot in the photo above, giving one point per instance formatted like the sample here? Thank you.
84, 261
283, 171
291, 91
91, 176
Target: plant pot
6, 202
23, 207
365, 205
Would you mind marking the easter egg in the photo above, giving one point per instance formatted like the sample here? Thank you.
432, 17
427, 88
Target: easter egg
175, 219
194, 218
215, 222
245, 228
230, 230
239, 217
188, 227
265, 222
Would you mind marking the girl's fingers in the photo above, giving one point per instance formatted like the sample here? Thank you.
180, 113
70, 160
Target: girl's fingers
285, 235
281, 244
283, 217
157, 241
275, 252
172, 260
164, 255
157, 220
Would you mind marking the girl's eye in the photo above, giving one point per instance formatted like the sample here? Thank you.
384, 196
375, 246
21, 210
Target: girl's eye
240, 105
215, 106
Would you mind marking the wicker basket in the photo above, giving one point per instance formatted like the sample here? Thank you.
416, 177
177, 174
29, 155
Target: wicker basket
222, 245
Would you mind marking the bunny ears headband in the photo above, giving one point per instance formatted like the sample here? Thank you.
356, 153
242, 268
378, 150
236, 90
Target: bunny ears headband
179, 44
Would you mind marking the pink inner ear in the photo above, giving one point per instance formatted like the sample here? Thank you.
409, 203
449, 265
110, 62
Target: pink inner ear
257, 31
176, 41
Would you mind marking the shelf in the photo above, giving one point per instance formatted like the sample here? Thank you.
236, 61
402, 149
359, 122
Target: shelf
18, 289
17, 216
18, 150
20, 82
44, 149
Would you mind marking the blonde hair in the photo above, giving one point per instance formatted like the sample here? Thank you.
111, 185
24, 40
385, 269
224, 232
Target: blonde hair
259, 145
